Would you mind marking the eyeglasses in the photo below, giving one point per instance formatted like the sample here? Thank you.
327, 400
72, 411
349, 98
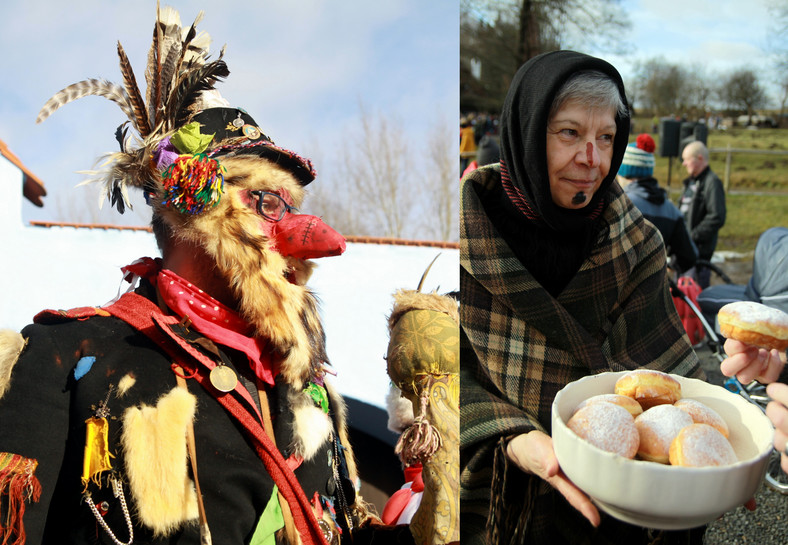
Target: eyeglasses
271, 206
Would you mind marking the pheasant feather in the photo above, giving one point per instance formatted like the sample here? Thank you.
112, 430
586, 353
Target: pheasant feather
84, 88
140, 120
189, 90
177, 72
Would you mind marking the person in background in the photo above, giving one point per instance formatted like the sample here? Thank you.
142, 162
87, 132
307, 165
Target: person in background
467, 142
636, 177
486, 154
703, 205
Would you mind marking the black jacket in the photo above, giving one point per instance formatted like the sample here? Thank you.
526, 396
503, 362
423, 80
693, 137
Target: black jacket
651, 201
706, 215
44, 415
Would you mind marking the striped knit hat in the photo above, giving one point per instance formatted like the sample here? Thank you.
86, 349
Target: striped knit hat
638, 158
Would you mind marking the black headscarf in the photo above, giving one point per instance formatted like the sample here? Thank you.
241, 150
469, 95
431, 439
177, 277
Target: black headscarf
524, 133
550, 241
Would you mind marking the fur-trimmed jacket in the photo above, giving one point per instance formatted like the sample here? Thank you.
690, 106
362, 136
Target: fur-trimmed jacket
520, 346
86, 371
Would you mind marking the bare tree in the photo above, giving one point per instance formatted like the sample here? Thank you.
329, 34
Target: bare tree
503, 34
371, 191
778, 38
662, 86
87, 204
741, 90
442, 184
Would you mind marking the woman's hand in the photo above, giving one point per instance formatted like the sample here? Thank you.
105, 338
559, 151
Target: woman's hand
533, 453
750, 363
778, 413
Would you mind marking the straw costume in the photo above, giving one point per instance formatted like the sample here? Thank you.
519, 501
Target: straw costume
168, 416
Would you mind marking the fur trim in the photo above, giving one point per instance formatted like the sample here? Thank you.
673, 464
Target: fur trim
363, 512
339, 415
311, 426
11, 346
301, 270
125, 384
399, 409
156, 457
407, 300
284, 313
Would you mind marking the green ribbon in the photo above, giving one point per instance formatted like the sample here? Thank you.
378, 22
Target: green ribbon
270, 522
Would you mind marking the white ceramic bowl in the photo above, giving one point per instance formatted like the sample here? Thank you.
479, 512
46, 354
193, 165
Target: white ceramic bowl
661, 496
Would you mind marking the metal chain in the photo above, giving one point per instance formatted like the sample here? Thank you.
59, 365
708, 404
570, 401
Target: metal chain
340, 491
117, 489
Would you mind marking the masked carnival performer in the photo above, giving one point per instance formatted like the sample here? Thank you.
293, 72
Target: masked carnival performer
195, 406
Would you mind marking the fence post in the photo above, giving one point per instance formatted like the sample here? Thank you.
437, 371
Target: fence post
727, 181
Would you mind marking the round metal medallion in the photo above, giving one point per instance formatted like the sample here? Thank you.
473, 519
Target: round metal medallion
223, 378
328, 532
251, 132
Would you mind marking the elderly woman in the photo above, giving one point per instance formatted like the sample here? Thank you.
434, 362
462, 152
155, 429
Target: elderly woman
560, 278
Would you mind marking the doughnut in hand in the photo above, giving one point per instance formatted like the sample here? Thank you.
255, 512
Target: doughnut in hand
755, 324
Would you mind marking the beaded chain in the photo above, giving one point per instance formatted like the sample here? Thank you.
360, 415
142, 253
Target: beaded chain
117, 489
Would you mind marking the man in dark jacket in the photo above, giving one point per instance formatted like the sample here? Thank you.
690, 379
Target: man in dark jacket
703, 204
635, 176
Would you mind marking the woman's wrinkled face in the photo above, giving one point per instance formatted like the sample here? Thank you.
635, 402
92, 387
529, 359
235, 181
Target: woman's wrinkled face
579, 152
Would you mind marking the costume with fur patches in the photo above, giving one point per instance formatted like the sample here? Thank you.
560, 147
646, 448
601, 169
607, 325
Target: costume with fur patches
113, 415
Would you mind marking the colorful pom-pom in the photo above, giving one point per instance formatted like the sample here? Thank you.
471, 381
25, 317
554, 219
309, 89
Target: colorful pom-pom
193, 183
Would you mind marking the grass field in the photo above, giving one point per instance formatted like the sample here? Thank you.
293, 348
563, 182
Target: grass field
758, 183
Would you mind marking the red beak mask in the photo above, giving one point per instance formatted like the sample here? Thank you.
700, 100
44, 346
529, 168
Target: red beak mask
295, 235
305, 237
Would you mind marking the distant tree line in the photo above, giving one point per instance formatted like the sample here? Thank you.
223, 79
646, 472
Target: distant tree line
497, 36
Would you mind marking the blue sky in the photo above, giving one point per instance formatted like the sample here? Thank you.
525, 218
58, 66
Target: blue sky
301, 68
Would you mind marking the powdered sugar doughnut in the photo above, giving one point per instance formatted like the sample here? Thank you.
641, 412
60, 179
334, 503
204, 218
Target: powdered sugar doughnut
632, 406
608, 427
754, 324
703, 414
649, 387
657, 427
701, 445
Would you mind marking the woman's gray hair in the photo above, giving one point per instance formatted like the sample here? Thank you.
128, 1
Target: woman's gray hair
592, 89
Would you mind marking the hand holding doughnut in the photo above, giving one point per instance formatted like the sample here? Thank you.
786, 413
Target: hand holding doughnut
750, 363
533, 453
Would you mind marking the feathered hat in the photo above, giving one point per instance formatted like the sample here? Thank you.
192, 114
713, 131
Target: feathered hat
181, 113
204, 167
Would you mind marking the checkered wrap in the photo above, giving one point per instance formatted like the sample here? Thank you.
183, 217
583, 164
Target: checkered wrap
519, 346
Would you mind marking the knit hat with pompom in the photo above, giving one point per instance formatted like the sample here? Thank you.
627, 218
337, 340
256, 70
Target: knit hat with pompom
638, 158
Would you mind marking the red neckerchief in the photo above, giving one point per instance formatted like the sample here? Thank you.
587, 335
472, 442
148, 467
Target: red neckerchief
207, 315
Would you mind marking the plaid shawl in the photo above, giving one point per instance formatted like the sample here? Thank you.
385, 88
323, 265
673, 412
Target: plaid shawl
519, 347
